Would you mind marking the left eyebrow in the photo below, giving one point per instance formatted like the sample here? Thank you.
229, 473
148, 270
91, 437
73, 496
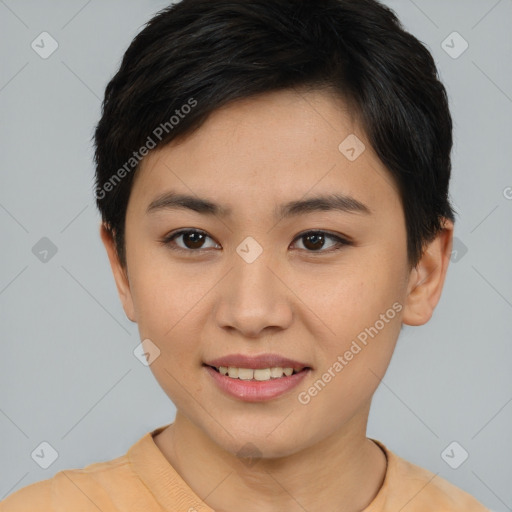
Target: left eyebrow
337, 202
333, 202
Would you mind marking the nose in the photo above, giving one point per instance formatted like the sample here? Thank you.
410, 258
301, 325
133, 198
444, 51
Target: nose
254, 299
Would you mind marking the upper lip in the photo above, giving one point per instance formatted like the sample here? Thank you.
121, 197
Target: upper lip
257, 362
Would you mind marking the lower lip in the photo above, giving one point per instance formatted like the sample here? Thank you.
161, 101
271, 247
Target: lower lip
254, 390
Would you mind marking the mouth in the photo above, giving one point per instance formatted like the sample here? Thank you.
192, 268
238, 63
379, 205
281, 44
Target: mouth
256, 378
257, 374
256, 384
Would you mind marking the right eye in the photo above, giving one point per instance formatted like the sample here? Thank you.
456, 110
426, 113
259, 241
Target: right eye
192, 240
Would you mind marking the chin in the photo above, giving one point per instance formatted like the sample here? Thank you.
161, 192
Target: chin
255, 441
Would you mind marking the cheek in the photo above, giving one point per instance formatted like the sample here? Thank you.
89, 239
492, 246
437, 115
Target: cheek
362, 304
168, 300
158, 296
364, 313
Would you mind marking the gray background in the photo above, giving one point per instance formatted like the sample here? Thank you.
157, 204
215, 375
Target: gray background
68, 375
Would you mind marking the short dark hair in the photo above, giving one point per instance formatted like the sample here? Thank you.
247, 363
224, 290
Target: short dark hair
197, 55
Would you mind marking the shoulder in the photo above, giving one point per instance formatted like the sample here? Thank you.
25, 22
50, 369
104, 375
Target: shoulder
26, 498
422, 490
81, 490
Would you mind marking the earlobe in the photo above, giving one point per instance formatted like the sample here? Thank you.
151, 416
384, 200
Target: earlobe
119, 272
427, 279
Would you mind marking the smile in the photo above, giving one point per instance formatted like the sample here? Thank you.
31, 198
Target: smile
256, 384
258, 374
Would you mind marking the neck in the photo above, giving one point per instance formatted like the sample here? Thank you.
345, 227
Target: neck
343, 472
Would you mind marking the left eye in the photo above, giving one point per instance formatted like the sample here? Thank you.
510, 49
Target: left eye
193, 240
316, 241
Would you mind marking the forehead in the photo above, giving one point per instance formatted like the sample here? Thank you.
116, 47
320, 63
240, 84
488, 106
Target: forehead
270, 149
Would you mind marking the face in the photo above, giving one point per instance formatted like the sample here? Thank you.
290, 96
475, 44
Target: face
325, 285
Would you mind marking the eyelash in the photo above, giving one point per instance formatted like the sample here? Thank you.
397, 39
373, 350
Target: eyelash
341, 242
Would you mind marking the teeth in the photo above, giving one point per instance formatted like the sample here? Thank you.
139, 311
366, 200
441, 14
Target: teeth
245, 373
260, 374
275, 373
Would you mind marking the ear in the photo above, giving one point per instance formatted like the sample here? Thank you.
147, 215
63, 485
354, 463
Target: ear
120, 273
427, 278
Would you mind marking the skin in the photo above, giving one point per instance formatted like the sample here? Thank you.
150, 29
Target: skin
252, 155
